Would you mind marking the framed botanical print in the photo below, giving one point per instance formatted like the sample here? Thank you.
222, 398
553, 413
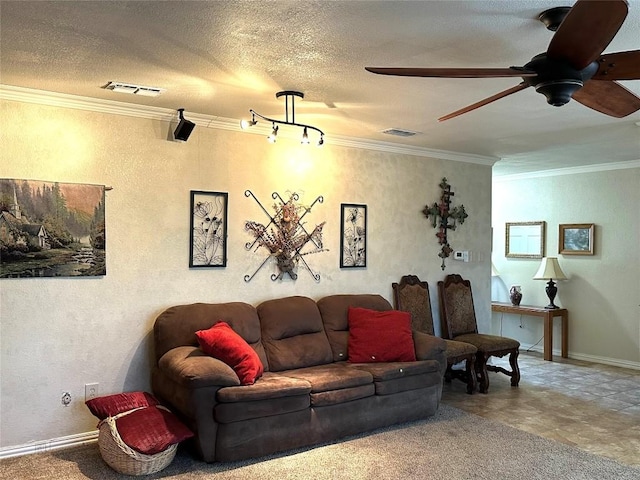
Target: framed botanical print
353, 235
576, 239
208, 229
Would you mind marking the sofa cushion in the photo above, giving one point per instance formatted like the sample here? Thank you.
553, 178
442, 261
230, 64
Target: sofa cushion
269, 386
151, 430
332, 397
293, 334
112, 405
334, 376
392, 370
334, 310
220, 341
380, 336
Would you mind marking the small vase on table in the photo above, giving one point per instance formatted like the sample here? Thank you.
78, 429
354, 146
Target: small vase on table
515, 294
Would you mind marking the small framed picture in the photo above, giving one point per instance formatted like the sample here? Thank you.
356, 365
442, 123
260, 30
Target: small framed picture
353, 235
208, 229
576, 239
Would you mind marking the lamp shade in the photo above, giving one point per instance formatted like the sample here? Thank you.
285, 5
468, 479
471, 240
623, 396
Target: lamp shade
549, 269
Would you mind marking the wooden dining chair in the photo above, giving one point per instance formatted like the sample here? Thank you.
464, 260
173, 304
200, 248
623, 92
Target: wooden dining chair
412, 295
458, 318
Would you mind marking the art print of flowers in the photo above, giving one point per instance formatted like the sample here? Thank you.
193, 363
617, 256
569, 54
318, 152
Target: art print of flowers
208, 229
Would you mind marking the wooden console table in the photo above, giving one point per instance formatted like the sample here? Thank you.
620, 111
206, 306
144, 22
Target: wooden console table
548, 314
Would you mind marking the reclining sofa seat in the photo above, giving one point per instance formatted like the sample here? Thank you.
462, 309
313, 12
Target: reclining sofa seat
308, 394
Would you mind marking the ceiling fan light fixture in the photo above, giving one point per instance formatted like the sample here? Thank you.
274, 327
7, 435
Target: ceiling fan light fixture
290, 96
559, 92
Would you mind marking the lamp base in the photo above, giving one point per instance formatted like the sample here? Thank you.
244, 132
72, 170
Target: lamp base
551, 293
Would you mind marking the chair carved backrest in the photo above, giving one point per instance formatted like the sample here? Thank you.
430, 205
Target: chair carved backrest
456, 306
412, 295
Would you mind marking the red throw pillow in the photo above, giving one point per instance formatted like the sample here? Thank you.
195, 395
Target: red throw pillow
111, 405
221, 342
380, 336
151, 430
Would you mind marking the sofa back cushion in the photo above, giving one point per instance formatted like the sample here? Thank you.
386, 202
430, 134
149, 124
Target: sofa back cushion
335, 315
177, 326
292, 333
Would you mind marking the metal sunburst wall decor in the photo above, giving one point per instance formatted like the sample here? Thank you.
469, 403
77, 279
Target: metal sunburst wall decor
445, 218
285, 236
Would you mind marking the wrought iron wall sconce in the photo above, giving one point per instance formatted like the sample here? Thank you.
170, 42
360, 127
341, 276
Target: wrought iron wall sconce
289, 98
445, 218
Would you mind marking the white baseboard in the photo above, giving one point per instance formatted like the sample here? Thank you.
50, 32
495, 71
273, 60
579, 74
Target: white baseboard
49, 445
616, 362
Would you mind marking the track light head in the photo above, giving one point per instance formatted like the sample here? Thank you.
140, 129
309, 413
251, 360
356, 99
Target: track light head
244, 124
305, 137
274, 133
321, 141
184, 128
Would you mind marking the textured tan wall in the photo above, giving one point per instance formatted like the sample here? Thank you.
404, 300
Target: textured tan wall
60, 333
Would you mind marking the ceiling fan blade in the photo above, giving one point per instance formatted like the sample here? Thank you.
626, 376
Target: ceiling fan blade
454, 72
586, 31
481, 103
619, 66
609, 98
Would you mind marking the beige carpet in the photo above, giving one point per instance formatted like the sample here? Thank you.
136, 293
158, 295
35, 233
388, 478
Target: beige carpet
451, 445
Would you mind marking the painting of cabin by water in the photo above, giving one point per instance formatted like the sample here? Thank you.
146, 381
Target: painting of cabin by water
51, 229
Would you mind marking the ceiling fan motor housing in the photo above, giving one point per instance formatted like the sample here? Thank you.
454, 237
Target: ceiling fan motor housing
556, 79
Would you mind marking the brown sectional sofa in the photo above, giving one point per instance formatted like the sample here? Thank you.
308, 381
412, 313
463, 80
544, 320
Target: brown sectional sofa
309, 392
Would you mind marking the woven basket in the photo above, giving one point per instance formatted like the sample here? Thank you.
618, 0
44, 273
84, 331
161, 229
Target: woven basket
124, 459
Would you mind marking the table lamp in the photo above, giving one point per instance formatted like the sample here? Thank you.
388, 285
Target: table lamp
550, 269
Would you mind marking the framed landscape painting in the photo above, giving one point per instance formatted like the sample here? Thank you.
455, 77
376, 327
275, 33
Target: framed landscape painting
576, 239
208, 247
51, 229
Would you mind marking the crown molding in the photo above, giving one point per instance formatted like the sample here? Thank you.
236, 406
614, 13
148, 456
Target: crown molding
63, 100
600, 167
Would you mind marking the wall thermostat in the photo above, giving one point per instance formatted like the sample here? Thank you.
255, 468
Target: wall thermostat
462, 255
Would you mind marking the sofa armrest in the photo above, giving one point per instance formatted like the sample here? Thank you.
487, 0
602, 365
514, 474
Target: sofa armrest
429, 347
192, 368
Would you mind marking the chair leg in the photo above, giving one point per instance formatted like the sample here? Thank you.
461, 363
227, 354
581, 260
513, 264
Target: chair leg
481, 371
513, 361
471, 374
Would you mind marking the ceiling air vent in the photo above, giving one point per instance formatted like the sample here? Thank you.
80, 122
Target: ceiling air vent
399, 132
134, 89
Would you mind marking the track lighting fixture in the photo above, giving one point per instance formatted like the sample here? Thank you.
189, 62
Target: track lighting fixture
288, 94
184, 128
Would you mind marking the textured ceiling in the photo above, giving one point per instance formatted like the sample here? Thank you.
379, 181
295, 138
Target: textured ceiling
221, 58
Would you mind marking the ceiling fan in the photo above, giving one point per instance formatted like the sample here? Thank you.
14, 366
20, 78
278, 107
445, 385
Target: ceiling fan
572, 67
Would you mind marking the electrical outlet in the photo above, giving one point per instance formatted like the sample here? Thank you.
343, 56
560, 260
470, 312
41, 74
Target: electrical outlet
91, 391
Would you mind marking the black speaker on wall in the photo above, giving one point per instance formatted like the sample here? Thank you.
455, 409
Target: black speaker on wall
184, 128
